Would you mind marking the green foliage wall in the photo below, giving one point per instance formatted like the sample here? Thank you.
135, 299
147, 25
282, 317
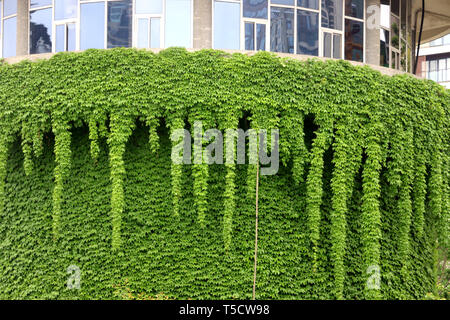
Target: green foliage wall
86, 177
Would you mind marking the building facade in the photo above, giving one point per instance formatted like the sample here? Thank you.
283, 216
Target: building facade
434, 61
377, 32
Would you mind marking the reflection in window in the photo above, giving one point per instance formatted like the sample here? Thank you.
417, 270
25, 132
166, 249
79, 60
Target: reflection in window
307, 32
285, 2
9, 7
178, 23
385, 14
332, 45
41, 31
92, 25
384, 48
311, 4
282, 30
337, 43
354, 40
65, 9
255, 9
119, 24
354, 8
65, 37
226, 25
9, 37
255, 32
332, 14
149, 33
40, 3
149, 6
395, 6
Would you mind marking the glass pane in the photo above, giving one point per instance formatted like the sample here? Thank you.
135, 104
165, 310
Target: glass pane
395, 33
332, 14
226, 25
285, 2
354, 8
41, 31
178, 23
384, 48
255, 9
143, 29
354, 40
260, 37
311, 4
385, 14
327, 45
65, 9
249, 36
71, 37
40, 3
395, 6
149, 6
60, 38
337, 46
9, 7
282, 29
119, 24
9, 37
92, 25
403, 18
155, 26
307, 32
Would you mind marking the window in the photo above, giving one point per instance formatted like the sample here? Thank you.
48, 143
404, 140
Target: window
92, 25
41, 31
255, 9
307, 32
282, 29
65, 37
149, 6
227, 25
149, 15
66, 9
354, 30
384, 48
332, 45
9, 28
255, 33
310, 4
119, 24
332, 14
178, 27
438, 69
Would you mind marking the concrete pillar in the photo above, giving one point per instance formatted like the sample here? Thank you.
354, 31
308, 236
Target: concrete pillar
203, 24
372, 32
22, 27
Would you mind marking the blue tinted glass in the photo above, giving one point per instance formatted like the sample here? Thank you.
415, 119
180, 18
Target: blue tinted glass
249, 36
178, 23
60, 38
66, 9
9, 7
260, 37
311, 4
119, 24
92, 25
307, 32
332, 14
149, 6
40, 3
282, 30
155, 33
71, 37
226, 25
354, 40
354, 8
9, 37
285, 2
41, 31
143, 28
255, 9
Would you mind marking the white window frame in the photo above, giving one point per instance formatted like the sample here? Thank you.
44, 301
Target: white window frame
149, 16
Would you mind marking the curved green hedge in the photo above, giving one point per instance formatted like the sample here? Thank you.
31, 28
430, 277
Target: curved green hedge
86, 177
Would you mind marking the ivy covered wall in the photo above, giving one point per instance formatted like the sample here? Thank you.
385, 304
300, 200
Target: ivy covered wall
86, 177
